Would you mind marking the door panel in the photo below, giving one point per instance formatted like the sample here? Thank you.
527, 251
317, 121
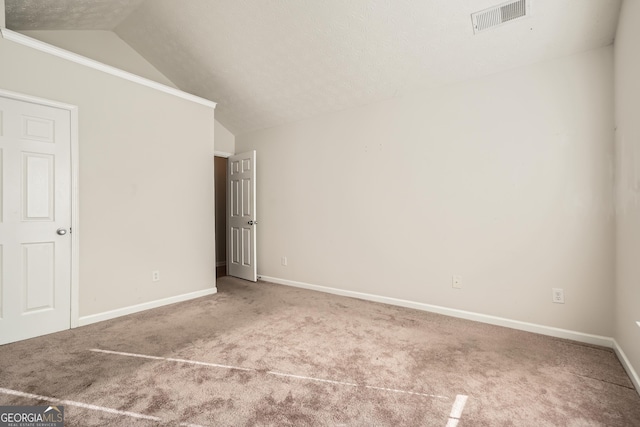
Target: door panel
35, 262
235, 245
241, 221
246, 247
37, 129
38, 282
37, 187
247, 194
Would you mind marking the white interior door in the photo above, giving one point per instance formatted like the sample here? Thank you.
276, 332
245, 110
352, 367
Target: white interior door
241, 217
35, 216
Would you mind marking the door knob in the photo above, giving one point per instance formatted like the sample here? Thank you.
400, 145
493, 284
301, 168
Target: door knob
253, 222
61, 231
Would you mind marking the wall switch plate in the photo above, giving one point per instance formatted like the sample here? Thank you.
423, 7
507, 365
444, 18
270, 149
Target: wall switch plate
284, 261
155, 276
558, 295
456, 282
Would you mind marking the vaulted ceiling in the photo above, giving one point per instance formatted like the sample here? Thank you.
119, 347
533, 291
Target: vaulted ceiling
272, 62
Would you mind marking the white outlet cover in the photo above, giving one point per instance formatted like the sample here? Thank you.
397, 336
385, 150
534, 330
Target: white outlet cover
557, 295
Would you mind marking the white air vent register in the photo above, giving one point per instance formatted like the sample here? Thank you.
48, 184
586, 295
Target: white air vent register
501, 14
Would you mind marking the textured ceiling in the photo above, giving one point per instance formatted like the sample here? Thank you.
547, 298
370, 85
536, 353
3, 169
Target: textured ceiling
67, 14
273, 62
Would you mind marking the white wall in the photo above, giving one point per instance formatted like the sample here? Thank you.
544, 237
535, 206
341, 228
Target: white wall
627, 109
2, 15
506, 180
146, 180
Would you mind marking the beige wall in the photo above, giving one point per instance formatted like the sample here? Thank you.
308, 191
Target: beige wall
506, 180
102, 46
2, 20
627, 108
146, 180
108, 48
225, 141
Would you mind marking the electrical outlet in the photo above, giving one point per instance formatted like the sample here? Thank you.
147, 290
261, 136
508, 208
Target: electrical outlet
155, 276
284, 261
558, 295
456, 282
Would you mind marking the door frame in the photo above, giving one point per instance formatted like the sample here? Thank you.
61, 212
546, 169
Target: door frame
75, 211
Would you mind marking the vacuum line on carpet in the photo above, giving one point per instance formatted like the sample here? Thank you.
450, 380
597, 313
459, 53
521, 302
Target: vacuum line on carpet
280, 374
170, 359
393, 390
87, 406
78, 404
456, 410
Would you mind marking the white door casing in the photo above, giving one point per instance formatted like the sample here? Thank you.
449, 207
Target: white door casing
36, 192
241, 216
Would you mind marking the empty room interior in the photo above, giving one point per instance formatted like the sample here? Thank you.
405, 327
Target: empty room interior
345, 213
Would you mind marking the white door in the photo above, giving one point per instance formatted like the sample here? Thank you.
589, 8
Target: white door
35, 216
241, 224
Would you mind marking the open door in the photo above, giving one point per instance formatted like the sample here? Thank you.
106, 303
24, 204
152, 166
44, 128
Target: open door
241, 216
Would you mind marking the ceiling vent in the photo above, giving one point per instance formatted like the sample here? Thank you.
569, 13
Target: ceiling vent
501, 14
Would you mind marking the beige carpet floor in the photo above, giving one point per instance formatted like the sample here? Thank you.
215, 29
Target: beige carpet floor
268, 355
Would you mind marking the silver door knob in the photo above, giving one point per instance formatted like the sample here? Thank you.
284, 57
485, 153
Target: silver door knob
61, 231
253, 222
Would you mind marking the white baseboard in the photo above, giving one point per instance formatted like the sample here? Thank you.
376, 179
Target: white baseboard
627, 365
478, 317
112, 314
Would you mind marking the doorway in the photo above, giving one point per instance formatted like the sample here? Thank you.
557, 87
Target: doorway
220, 182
